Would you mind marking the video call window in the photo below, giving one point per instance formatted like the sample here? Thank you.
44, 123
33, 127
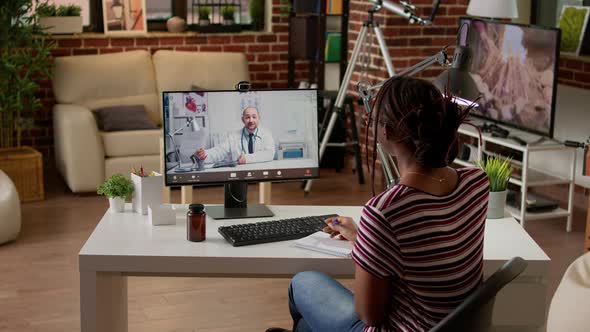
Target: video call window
221, 136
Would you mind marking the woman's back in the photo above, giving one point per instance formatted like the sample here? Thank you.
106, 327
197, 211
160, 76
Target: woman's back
430, 246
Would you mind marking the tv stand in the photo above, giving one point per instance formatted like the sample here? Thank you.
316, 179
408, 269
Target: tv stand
236, 204
536, 153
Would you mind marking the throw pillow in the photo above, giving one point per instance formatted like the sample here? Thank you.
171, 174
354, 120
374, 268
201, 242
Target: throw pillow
125, 117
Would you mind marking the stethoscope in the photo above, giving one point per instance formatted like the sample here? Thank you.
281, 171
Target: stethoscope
244, 134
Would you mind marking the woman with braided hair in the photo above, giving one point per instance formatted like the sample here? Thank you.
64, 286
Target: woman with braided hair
418, 246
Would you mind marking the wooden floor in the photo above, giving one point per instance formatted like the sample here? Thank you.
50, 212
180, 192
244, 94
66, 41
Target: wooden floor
39, 282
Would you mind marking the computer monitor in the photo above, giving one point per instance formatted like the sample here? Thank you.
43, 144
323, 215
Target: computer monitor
238, 137
515, 69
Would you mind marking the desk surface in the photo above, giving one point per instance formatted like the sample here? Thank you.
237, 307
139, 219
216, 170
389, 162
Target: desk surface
126, 242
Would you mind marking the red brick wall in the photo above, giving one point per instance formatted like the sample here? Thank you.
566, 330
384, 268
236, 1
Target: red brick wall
574, 71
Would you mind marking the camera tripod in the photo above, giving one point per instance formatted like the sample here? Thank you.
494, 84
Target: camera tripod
369, 25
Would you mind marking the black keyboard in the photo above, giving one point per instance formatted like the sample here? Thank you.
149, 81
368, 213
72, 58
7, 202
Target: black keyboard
273, 230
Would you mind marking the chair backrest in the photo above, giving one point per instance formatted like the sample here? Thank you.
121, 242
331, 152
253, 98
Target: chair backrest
476, 309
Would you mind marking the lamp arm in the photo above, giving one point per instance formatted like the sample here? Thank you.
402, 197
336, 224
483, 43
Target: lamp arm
441, 58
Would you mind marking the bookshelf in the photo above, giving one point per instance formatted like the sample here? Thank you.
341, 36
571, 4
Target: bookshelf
318, 33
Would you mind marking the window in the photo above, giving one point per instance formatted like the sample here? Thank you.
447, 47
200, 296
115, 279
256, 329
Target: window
158, 10
242, 15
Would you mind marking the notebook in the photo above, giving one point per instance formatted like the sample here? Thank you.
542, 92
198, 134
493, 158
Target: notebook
322, 242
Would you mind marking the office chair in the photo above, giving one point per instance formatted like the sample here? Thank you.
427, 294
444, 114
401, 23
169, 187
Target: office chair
475, 313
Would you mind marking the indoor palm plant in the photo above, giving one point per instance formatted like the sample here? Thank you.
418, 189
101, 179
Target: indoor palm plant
60, 19
498, 170
25, 59
117, 188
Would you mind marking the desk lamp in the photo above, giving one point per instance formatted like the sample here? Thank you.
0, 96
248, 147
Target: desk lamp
493, 9
194, 126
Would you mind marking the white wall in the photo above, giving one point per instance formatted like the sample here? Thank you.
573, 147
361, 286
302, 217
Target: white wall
572, 122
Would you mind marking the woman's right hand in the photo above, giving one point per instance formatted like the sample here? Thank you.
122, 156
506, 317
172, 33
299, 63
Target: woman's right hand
343, 227
201, 154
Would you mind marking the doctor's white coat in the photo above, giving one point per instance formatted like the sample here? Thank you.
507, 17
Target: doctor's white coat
237, 144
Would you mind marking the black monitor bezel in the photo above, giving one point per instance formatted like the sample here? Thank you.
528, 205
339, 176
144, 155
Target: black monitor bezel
207, 183
555, 78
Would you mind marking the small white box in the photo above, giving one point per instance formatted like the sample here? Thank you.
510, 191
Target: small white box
147, 191
161, 215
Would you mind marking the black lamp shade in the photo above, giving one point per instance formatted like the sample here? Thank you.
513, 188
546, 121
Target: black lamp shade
457, 79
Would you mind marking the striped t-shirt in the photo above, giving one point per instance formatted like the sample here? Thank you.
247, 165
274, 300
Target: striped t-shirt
431, 247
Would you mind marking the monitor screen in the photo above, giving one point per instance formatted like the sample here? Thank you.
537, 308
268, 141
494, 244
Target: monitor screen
515, 67
229, 136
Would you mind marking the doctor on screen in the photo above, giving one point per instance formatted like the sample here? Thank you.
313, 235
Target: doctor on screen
250, 144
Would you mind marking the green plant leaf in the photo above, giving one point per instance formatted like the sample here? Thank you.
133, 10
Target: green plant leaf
116, 186
499, 170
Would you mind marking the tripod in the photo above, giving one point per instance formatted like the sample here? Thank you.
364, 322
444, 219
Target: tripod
370, 23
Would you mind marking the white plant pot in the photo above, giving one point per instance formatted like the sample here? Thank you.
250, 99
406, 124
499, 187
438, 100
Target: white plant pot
147, 190
496, 204
117, 204
203, 22
228, 21
61, 24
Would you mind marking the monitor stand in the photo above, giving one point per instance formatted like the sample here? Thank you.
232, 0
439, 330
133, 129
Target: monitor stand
236, 204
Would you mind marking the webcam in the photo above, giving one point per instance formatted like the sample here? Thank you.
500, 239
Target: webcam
243, 86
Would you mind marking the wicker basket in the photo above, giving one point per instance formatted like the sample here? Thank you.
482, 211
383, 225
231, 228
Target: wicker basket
24, 166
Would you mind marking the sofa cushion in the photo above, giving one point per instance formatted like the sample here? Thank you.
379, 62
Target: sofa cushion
131, 143
179, 71
126, 117
96, 81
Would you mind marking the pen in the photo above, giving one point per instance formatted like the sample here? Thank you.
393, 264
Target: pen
335, 222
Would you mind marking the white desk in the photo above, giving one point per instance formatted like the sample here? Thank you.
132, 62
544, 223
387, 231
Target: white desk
125, 244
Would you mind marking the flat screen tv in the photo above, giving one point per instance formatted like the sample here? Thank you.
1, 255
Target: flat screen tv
515, 69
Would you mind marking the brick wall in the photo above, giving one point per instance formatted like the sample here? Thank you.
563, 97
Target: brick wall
574, 71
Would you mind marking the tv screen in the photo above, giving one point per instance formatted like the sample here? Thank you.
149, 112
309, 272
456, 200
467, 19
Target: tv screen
235, 136
515, 67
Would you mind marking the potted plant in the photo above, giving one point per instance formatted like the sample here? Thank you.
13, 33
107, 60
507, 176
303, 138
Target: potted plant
204, 12
60, 20
25, 59
117, 188
227, 12
498, 170
257, 14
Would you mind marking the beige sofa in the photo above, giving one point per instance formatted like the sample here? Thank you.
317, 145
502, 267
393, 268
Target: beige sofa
86, 156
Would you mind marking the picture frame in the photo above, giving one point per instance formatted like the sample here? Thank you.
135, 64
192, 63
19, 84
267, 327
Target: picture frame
124, 16
573, 22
